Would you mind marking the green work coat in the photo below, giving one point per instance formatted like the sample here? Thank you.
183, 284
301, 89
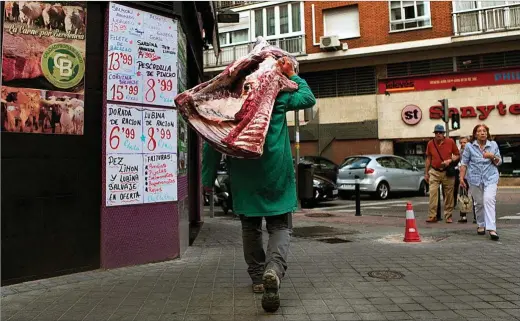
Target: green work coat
265, 186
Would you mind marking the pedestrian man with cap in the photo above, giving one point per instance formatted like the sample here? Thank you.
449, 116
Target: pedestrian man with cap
442, 154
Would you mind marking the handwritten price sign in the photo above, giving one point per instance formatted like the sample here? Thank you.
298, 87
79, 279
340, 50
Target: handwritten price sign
160, 126
121, 87
124, 129
121, 62
160, 91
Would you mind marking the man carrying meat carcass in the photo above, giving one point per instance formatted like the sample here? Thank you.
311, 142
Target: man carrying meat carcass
266, 187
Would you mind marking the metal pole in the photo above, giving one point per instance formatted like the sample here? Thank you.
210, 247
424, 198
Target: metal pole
297, 149
212, 203
447, 118
439, 206
358, 197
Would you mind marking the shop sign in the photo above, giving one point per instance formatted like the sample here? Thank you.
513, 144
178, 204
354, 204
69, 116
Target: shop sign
142, 57
411, 115
43, 67
459, 80
482, 112
141, 138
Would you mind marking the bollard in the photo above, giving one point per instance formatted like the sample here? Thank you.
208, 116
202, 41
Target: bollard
358, 197
439, 205
212, 203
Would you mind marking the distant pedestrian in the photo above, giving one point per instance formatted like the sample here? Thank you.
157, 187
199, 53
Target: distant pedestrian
480, 161
441, 156
463, 219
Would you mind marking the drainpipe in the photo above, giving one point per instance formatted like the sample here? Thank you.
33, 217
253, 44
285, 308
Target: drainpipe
314, 43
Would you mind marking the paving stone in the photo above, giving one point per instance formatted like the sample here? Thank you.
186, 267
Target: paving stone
448, 281
346, 316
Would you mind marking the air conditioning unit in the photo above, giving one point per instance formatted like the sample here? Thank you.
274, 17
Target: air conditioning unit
330, 43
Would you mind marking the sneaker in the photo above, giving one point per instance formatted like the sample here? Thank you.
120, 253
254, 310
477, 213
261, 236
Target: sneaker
431, 220
463, 219
258, 288
271, 298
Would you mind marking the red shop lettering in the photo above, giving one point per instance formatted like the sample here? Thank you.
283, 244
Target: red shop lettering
482, 112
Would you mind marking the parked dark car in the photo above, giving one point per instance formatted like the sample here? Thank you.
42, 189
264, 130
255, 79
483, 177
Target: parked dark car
325, 175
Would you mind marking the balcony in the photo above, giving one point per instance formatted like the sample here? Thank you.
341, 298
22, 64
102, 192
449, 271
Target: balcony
475, 21
293, 45
233, 4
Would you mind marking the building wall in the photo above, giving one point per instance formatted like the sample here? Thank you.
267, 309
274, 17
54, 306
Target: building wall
390, 124
340, 149
377, 31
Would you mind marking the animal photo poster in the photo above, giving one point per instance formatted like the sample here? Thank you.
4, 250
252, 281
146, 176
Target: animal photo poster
43, 67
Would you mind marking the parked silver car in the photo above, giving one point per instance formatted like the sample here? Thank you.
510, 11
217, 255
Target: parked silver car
379, 175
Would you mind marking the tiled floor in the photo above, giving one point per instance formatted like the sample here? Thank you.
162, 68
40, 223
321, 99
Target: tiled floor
463, 277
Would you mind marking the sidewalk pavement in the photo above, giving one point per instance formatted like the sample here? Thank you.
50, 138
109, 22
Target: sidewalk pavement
449, 276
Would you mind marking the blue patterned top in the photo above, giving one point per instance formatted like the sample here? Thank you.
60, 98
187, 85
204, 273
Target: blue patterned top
481, 170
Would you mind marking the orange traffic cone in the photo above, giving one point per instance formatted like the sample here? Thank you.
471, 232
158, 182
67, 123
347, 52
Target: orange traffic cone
411, 234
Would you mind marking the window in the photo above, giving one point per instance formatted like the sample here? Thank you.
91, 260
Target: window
281, 20
406, 15
420, 67
342, 22
402, 164
259, 23
355, 162
296, 18
342, 82
234, 37
489, 61
284, 19
386, 162
223, 39
238, 36
270, 21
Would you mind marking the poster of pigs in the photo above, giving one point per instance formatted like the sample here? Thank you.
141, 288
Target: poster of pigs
43, 67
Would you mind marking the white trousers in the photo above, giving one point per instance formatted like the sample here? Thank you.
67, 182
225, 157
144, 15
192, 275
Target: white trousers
484, 198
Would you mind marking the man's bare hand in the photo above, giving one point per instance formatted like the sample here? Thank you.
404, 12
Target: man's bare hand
286, 66
427, 178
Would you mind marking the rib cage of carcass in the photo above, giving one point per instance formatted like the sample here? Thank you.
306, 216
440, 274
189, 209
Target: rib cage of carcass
232, 111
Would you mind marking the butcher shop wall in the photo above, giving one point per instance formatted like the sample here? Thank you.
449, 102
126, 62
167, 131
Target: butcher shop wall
120, 186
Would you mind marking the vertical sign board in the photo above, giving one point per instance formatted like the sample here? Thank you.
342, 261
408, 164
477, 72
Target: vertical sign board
142, 57
141, 138
182, 67
43, 67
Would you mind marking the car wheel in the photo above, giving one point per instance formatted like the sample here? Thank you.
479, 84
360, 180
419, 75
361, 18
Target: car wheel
382, 191
345, 195
423, 189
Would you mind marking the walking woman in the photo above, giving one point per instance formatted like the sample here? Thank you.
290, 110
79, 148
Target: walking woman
480, 160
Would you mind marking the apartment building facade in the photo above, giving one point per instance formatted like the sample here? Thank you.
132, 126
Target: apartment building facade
378, 69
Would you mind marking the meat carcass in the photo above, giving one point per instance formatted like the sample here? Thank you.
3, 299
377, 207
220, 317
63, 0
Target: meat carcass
232, 111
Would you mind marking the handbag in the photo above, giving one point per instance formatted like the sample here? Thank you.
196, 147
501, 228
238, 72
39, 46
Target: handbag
465, 200
451, 171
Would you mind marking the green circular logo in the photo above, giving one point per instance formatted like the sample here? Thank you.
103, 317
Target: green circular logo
63, 65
